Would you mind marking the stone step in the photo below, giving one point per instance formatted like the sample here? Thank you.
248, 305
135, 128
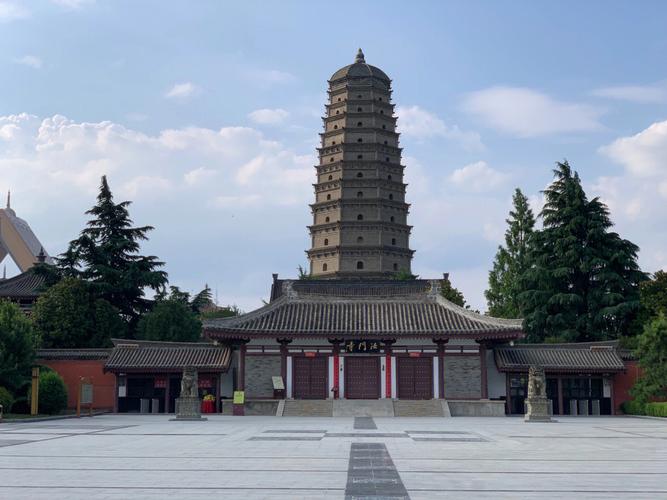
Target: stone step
308, 408
422, 408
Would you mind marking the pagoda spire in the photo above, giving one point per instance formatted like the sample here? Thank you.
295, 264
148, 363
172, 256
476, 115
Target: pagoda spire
9, 200
360, 57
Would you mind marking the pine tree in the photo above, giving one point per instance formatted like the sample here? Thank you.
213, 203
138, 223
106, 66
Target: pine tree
451, 293
106, 255
582, 283
511, 261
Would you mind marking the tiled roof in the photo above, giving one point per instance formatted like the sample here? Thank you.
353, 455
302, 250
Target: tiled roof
359, 308
147, 356
27, 284
72, 354
586, 357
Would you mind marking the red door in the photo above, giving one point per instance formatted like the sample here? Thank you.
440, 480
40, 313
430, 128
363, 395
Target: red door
310, 377
362, 377
414, 377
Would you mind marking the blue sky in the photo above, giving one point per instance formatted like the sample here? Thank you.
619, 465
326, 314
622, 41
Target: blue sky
206, 114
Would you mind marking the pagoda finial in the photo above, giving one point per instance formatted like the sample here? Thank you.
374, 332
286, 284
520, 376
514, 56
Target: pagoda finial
9, 200
360, 57
41, 257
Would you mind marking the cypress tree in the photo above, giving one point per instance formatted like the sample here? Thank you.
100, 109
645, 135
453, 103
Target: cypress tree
511, 260
582, 283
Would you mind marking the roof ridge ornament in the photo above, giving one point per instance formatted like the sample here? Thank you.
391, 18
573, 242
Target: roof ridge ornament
360, 57
9, 200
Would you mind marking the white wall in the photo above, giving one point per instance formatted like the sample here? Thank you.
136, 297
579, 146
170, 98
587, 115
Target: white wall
496, 382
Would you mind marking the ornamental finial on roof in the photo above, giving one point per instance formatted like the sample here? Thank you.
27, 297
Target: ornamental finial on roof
9, 200
360, 57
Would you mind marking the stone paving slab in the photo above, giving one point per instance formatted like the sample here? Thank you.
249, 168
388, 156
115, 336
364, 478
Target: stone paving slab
148, 457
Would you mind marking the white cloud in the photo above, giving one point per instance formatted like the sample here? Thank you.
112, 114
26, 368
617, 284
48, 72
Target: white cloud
181, 90
72, 4
414, 121
198, 175
643, 154
525, 112
269, 116
635, 93
477, 177
10, 11
30, 61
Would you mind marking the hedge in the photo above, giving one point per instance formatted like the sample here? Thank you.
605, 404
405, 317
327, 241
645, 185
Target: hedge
6, 400
651, 409
52, 393
656, 409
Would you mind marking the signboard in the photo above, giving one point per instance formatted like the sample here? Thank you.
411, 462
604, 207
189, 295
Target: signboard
86, 393
310, 354
160, 382
278, 384
205, 382
239, 397
362, 346
415, 354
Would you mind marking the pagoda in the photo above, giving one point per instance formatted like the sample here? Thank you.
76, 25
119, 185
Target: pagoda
359, 225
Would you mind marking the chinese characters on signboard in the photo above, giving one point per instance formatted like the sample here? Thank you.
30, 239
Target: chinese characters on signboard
362, 346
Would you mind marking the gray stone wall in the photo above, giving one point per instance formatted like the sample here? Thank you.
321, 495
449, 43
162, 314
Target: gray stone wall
258, 373
463, 377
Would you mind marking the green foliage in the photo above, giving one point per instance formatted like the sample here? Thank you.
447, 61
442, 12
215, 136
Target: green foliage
656, 409
652, 354
404, 275
52, 393
70, 315
172, 319
303, 274
17, 346
6, 400
511, 261
653, 294
106, 255
582, 283
452, 294
633, 407
221, 312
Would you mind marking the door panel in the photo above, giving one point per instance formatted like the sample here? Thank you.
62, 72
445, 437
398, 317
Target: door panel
415, 378
310, 377
362, 377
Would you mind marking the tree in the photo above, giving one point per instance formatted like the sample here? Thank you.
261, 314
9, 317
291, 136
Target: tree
106, 254
653, 294
52, 393
582, 283
172, 319
652, 354
17, 347
450, 293
69, 315
511, 261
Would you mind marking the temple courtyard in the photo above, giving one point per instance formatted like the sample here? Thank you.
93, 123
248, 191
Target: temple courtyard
135, 456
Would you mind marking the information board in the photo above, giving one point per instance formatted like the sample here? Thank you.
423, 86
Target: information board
239, 397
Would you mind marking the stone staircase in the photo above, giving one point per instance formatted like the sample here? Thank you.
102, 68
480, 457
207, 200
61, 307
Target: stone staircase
308, 408
423, 408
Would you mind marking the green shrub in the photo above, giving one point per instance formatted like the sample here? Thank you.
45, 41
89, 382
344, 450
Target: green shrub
633, 407
656, 409
52, 393
6, 400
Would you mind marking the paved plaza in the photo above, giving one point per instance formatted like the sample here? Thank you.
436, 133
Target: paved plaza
134, 456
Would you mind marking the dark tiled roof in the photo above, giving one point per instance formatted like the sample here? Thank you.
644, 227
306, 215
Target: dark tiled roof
358, 308
146, 356
25, 285
585, 357
72, 354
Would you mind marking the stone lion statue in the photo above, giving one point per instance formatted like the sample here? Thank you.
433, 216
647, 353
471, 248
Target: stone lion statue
536, 383
189, 385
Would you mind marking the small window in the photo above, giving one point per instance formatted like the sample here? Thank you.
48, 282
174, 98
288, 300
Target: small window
360, 157
324, 266
328, 197
388, 177
386, 159
379, 98
395, 266
360, 124
338, 111
335, 127
360, 140
360, 265
393, 241
360, 217
384, 127
391, 196
339, 99
360, 194
382, 111
331, 177
326, 241
333, 143
358, 96
331, 159
360, 239
326, 219
359, 109
385, 142
360, 174
391, 219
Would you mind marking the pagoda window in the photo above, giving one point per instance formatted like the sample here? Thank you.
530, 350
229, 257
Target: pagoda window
326, 219
360, 194
388, 177
326, 241
379, 98
331, 177
331, 159
360, 140
395, 266
360, 239
360, 124
360, 157
360, 174
386, 159
382, 111
335, 127
338, 111
359, 109
391, 196
333, 143
384, 127
359, 96
393, 241
339, 99
385, 142
328, 197
391, 219
324, 266
360, 265
360, 217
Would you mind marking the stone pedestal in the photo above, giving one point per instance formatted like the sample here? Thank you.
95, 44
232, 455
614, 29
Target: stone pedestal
188, 408
537, 410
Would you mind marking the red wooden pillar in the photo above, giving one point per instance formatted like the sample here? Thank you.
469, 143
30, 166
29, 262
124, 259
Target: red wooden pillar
336, 369
561, 410
485, 381
167, 390
441, 368
241, 379
387, 371
115, 393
